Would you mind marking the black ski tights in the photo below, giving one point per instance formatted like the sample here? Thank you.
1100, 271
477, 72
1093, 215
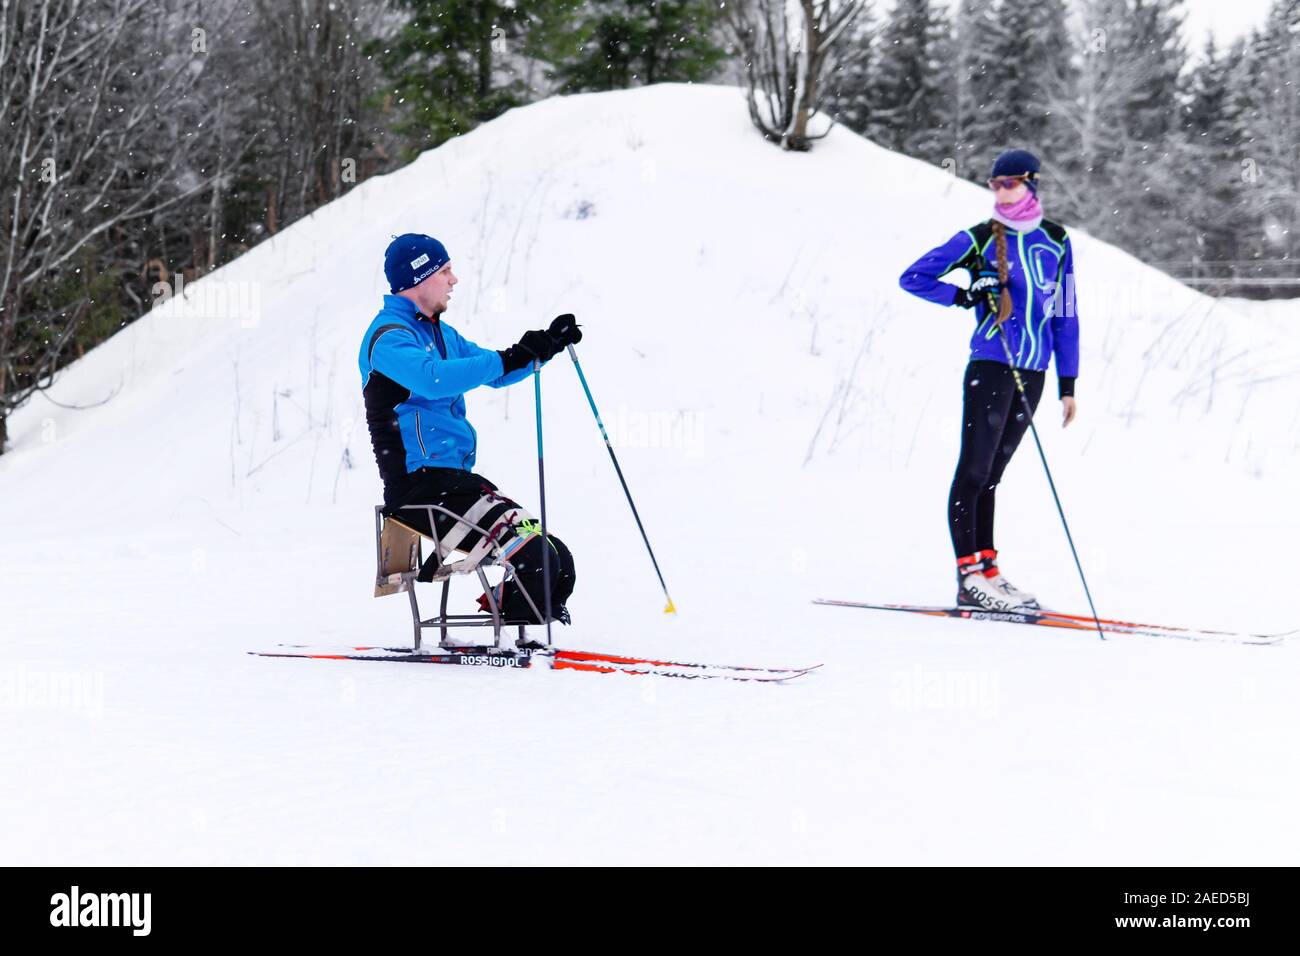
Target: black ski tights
993, 422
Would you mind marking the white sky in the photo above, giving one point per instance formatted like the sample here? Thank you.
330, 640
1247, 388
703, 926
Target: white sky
1226, 19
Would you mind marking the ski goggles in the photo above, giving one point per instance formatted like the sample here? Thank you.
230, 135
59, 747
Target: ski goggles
1010, 182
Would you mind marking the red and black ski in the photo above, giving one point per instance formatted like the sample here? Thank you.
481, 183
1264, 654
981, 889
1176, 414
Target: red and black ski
1072, 622
619, 660
554, 658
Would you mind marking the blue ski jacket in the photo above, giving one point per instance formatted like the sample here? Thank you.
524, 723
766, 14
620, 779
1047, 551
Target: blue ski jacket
414, 373
1043, 320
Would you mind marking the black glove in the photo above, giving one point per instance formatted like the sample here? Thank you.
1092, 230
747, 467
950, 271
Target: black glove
564, 330
985, 283
534, 344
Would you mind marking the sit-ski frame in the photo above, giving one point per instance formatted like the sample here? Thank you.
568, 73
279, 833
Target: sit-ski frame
406, 578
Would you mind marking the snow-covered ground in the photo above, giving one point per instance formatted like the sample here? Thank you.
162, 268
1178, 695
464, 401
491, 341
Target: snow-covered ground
788, 422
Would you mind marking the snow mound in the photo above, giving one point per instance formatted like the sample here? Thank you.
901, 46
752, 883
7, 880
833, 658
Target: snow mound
788, 421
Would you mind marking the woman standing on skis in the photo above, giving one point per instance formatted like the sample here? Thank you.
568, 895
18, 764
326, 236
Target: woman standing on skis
1022, 290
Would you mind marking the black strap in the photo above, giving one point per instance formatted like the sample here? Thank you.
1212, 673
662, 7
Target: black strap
437, 337
1054, 230
974, 261
429, 568
370, 351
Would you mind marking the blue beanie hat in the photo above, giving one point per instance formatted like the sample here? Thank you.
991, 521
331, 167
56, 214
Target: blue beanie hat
411, 258
1017, 162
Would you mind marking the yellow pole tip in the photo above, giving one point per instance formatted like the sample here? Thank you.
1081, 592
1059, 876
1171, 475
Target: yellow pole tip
671, 608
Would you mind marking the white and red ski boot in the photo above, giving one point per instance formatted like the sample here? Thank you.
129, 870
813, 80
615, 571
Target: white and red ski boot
1014, 594
976, 589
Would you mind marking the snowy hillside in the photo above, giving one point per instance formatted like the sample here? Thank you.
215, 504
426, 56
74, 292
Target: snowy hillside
788, 421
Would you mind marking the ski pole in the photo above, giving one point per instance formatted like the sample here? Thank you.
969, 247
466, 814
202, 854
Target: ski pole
670, 608
541, 488
1024, 399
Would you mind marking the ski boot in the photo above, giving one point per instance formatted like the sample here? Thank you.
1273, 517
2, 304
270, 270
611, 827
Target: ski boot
976, 589
1014, 594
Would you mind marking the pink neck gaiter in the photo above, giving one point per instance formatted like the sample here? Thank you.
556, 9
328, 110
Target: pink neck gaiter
1026, 209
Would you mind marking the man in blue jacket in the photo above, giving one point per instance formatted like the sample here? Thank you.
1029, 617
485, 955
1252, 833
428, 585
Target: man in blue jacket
415, 369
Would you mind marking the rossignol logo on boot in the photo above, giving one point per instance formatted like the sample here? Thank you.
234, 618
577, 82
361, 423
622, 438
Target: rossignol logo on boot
102, 909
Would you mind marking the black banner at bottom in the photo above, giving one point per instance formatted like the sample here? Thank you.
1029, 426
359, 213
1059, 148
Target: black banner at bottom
1224, 906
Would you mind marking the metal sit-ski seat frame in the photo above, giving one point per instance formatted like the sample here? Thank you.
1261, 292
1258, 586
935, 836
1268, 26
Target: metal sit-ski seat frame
412, 568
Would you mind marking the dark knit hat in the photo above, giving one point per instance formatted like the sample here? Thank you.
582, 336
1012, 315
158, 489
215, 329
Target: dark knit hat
1017, 162
411, 258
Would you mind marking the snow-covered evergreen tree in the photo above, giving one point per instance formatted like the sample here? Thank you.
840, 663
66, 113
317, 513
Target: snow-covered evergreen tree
966, 62
907, 88
987, 45
1011, 58
448, 64
1211, 174
625, 43
848, 85
1115, 163
1271, 164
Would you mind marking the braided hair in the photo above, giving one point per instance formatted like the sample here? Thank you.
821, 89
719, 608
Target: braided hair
1004, 270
